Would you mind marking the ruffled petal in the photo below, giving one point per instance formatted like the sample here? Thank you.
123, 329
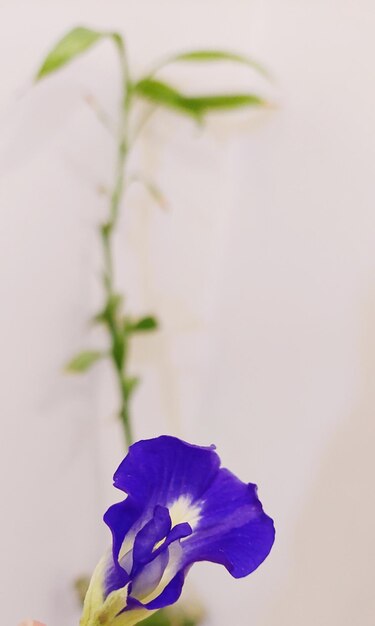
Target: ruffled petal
232, 529
159, 471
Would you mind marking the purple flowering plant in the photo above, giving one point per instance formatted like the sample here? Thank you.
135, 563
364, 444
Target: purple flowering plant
181, 507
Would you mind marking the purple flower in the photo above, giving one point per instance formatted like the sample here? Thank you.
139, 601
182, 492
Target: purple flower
181, 507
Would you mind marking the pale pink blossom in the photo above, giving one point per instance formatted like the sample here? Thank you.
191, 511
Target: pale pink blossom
30, 622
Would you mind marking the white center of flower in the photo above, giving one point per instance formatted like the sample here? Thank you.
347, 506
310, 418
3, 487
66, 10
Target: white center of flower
182, 510
157, 574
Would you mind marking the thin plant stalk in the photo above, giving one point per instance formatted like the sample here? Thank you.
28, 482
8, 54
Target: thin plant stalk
114, 323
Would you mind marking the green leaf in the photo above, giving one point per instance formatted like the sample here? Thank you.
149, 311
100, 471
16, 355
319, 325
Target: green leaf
163, 94
130, 385
208, 56
111, 309
83, 361
144, 324
74, 43
224, 102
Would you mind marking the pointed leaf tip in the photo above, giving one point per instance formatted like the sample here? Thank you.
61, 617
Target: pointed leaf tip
144, 324
73, 44
83, 361
209, 56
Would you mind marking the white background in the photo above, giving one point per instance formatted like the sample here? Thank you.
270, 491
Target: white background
262, 273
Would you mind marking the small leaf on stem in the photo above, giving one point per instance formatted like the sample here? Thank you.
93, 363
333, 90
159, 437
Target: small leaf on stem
196, 106
163, 94
208, 56
83, 361
144, 324
224, 102
111, 309
130, 385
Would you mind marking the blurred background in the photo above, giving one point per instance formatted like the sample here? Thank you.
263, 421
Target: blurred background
262, 273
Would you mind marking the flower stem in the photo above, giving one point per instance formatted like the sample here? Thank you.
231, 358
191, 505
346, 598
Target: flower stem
113, 320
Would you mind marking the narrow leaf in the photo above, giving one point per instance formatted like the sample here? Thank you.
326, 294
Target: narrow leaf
83, 361
144, 324
196, 106
71, 45
207, 104
74, 43
208, 56
163, 94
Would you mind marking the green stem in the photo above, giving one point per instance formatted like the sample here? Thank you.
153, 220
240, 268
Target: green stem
114, 321
125, 420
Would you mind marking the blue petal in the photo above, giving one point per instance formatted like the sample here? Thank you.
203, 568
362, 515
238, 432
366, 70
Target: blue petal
180, 531
150, 564
168, 596
232, 530
156, 531
171, 593
120, 518
158, 471
152, 533
156, 583
149, 578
